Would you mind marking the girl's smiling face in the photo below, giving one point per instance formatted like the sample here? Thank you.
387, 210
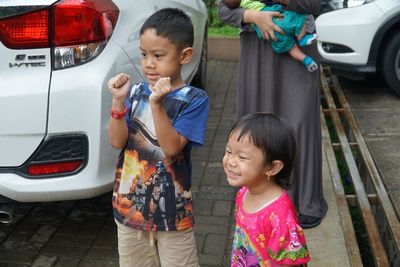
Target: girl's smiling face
243, 162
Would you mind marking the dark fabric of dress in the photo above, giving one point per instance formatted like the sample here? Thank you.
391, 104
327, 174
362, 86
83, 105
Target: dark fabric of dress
277, 83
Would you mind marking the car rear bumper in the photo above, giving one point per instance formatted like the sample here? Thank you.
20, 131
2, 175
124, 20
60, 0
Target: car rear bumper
368, 68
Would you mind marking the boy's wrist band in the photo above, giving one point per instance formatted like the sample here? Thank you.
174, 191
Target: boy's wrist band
118, 114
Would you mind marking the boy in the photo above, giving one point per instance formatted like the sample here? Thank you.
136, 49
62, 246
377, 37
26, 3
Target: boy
290, 22
164, 119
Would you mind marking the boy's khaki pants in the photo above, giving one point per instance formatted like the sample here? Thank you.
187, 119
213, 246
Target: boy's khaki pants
170, 249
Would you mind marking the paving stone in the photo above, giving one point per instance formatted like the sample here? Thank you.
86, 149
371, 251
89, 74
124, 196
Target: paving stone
17, 257
200, 238
211, 179
106, 239
215, 244
71, 241
98, 263
65, 251
67, 262
211, 228
213, 220
45, 261
222, 208
22, 246
90, 228
102, 253
210, 260
202, 206
43, 234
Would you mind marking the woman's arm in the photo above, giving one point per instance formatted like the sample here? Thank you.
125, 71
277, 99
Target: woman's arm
239, 16
233, 17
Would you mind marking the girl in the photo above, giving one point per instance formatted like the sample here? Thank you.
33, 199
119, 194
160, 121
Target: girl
259, 158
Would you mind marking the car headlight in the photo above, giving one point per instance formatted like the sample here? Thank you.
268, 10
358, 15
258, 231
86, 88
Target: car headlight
331, 5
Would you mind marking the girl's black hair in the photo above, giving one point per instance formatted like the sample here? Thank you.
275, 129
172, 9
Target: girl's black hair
173, 24
274, 136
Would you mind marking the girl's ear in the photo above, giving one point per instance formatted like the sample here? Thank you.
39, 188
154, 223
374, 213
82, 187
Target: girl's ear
274, 168
186, 55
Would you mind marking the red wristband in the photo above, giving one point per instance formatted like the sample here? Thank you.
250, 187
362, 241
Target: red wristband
118, 114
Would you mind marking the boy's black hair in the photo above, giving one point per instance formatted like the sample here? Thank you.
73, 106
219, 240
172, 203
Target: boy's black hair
173, 24
274, 136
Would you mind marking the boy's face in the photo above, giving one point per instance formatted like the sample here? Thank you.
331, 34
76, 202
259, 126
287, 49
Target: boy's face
160, 58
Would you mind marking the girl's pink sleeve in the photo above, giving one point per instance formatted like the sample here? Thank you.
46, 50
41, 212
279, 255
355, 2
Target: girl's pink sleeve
287, 244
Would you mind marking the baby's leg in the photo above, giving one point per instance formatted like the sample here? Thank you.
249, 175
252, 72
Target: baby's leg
298, 55
304, 39
302, 33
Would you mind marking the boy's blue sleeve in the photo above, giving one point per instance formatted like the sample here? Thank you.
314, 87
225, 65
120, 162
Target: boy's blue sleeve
192, 122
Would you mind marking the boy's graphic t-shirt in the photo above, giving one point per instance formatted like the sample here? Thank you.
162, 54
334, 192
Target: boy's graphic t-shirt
152, 192
269, 237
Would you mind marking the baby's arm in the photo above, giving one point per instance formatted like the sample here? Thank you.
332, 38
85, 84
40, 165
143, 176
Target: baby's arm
118, 130
252, 4
171, 142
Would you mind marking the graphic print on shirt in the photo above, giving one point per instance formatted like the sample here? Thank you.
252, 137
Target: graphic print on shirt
150, 191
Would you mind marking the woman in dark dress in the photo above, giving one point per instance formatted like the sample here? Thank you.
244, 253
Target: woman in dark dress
277, 83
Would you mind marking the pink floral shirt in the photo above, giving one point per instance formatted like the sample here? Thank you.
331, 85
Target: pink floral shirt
271, 236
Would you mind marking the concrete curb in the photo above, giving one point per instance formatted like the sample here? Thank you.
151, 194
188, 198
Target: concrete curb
223, 48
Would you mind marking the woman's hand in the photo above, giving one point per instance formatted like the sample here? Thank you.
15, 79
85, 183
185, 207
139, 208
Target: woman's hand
263, 20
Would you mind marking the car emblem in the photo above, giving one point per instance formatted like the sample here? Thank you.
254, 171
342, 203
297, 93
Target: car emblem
28, 61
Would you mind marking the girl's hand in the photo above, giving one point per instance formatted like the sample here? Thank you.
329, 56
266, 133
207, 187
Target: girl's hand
160, 90
119, 86
263, 20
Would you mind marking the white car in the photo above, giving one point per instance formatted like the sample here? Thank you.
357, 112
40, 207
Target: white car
362, 36
56, 59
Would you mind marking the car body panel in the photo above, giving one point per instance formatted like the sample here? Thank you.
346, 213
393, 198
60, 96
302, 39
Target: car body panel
23, 103
339, 27
364, 21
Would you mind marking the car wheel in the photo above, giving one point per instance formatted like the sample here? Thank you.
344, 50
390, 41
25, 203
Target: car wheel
200, 78
391, 63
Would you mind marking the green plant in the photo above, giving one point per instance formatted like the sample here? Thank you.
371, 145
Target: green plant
215, 26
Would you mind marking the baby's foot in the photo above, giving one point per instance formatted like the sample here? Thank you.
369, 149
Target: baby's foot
307, 39
310, 64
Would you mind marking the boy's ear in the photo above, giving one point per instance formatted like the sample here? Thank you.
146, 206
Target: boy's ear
186, 55
274, 168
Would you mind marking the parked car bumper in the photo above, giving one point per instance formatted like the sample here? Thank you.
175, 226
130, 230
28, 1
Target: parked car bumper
337, 29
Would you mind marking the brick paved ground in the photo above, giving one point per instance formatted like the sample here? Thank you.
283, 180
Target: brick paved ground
82, 233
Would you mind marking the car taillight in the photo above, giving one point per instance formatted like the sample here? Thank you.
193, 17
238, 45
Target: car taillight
54, 168
81, 29
25, 31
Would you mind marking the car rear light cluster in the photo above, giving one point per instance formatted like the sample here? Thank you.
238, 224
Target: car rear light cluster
57, 156
81, 30
30, 30
77, 30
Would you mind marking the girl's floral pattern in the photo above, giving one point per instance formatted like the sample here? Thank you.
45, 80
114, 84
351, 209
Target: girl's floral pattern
269, 237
